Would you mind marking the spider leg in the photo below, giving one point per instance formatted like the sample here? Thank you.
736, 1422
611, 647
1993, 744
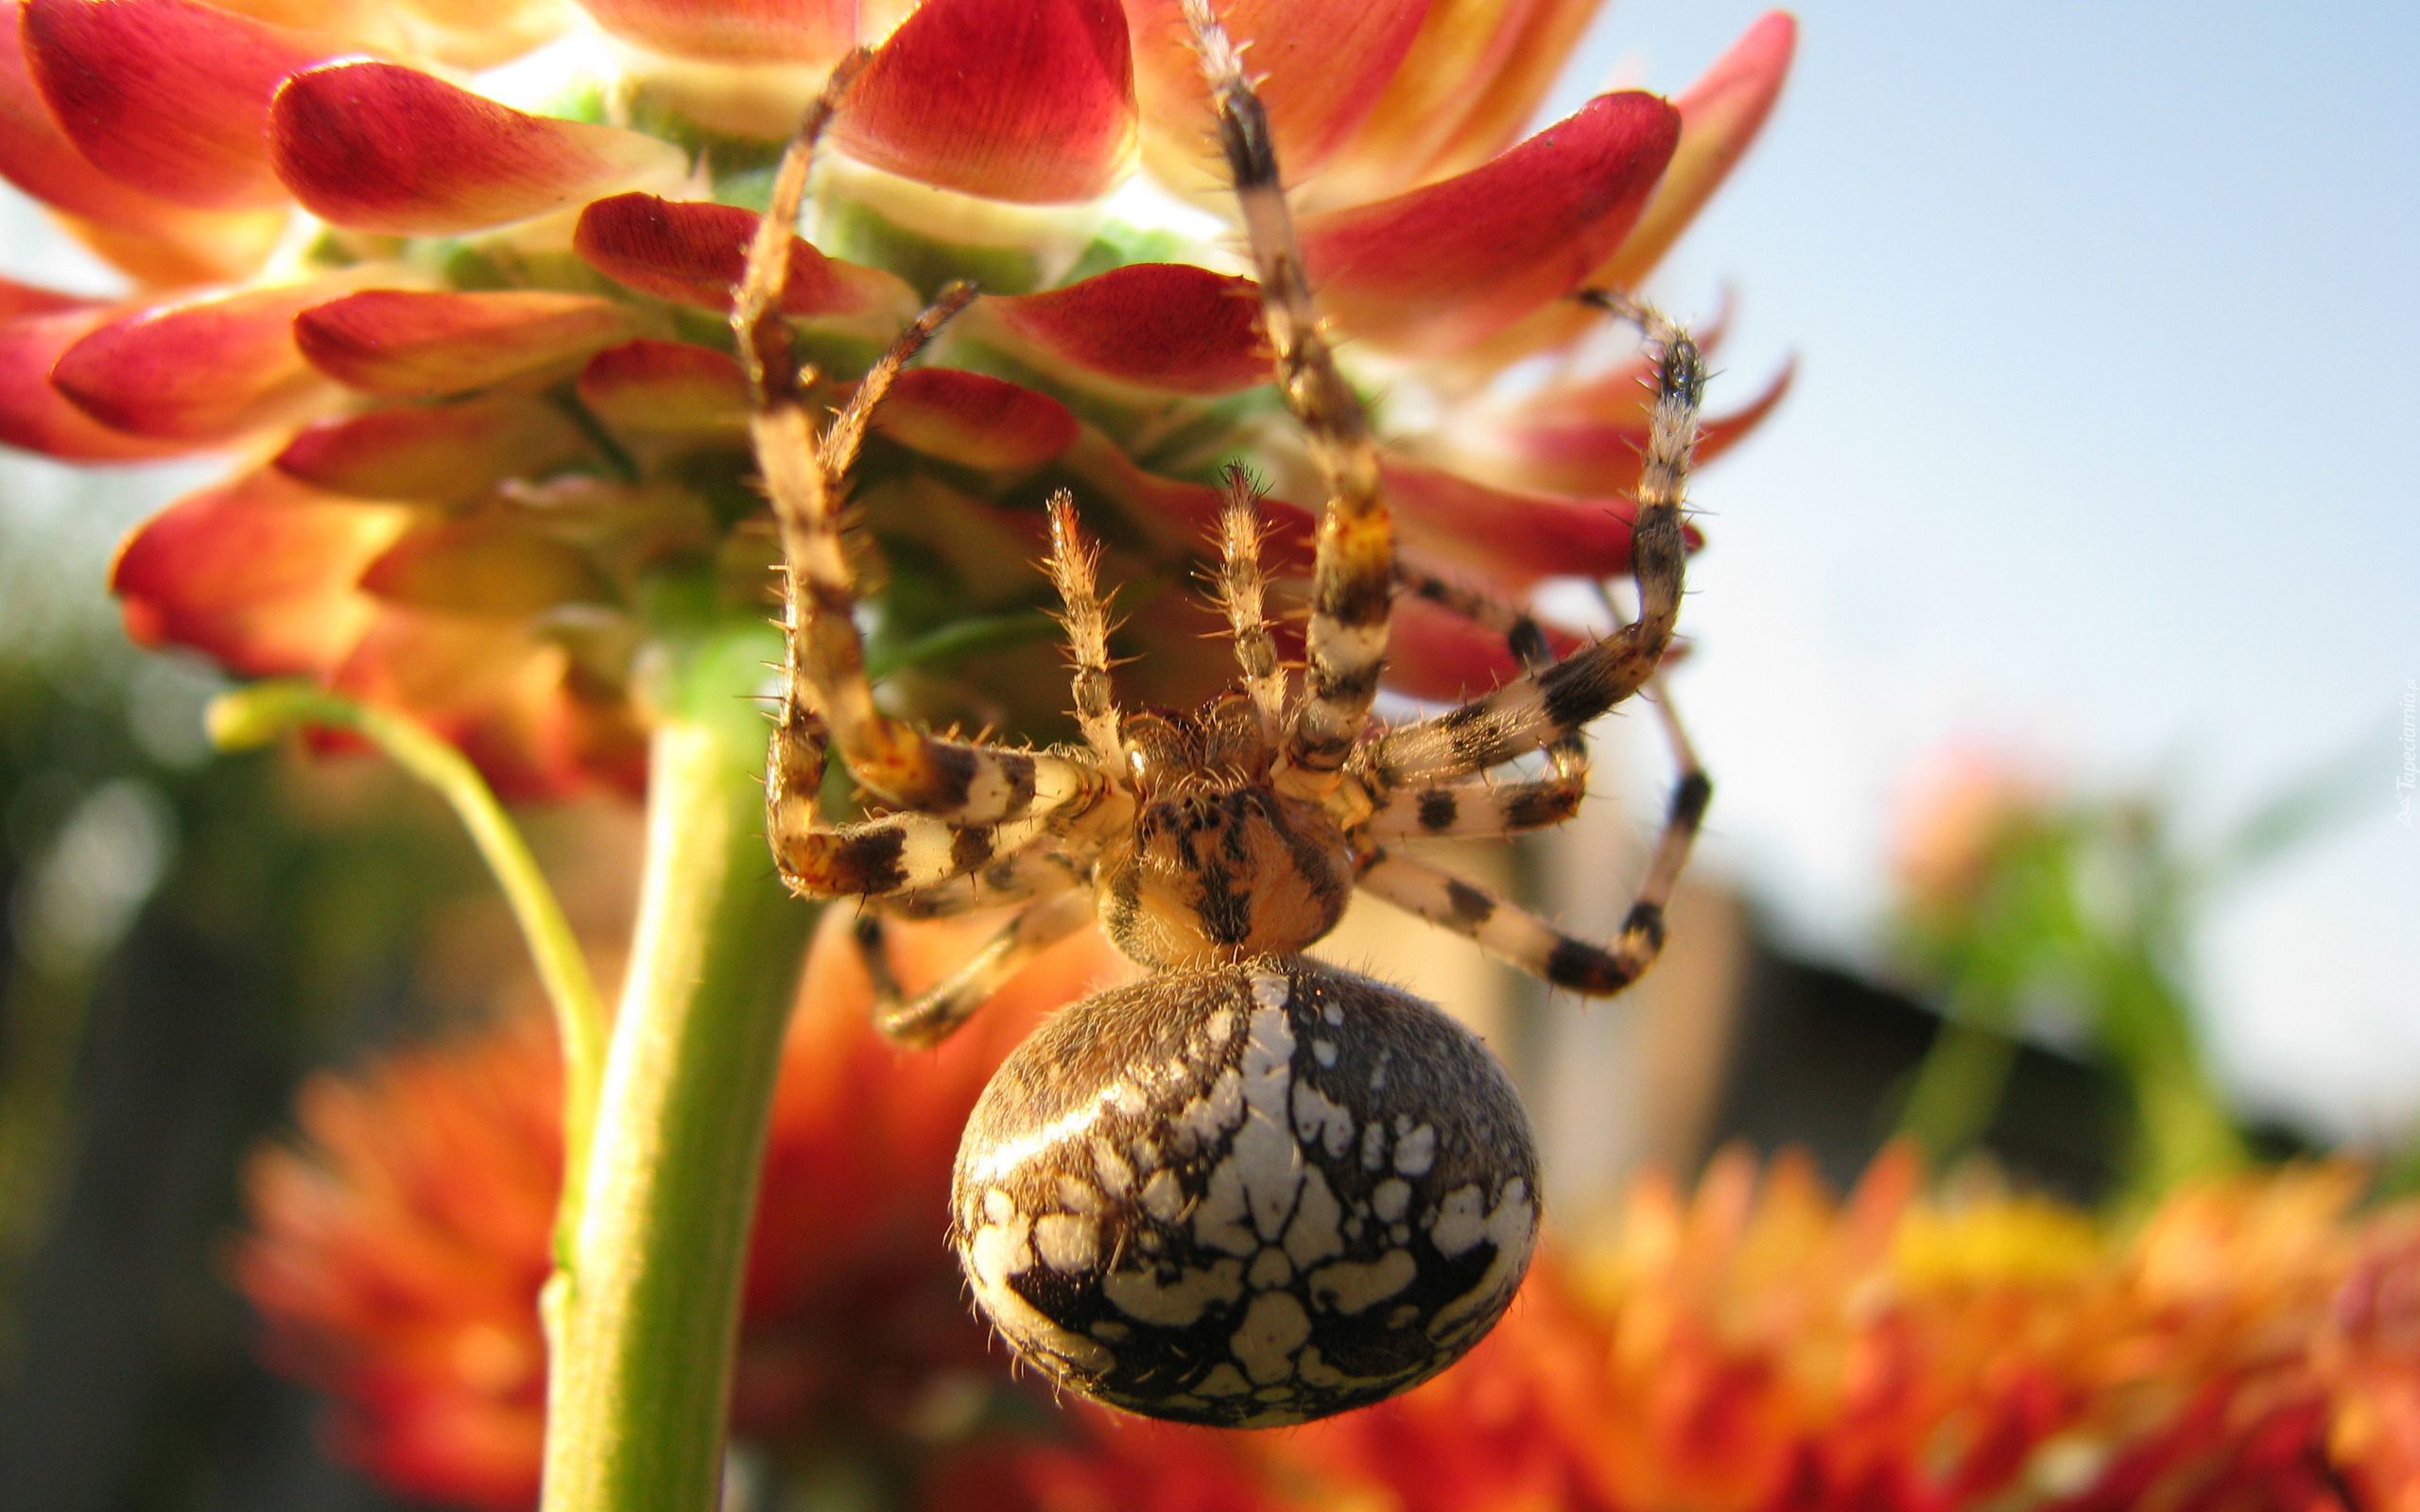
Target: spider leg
804, 475
1522, 938
1480, 806
1014, 879
1073, 564
941, 1010
1241, 590
875, 858
1547, 706
1476, 806
1351, 580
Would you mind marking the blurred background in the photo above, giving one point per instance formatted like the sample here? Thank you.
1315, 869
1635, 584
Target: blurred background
2055, 649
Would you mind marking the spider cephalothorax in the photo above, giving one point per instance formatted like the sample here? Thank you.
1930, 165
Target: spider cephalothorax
1249, 1188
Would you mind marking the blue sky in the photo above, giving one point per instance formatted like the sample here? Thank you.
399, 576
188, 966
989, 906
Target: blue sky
2102, 449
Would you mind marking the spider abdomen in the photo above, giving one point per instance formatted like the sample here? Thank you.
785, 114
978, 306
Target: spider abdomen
1246, 1195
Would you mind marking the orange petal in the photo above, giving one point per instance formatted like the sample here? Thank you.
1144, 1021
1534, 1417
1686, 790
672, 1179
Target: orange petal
1720, 115
433, 454
692, 253
1445, 265
410, 345
1490, 118
35, 416
667, 388
1321, 65
478, 34
1460, 46
206, 370
1023, 100
373, 146
975, 421
507, 700
1168, 326
740, 31
258, 573
1515, 536
491, 565
1601, 456
168, 95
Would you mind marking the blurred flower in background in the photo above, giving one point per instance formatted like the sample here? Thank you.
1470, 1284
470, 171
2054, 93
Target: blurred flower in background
1753, 1345
2029, 906
398, 1246
452, 284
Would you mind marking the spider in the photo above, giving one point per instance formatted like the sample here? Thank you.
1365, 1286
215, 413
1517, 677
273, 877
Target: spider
1249, 1188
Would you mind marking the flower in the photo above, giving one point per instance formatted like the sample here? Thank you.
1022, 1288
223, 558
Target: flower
448, 279
398, 1247
1762, 1346
1961, 820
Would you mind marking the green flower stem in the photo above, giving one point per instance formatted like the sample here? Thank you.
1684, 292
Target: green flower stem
1959, 1088
256, 715
646, 1320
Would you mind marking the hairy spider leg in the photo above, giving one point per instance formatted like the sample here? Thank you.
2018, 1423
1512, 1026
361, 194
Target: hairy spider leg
944, 1009
1027, 874
1518, 936
1481, 805
1636, 650
963, 785
1073, 564
1241, 590
1352, 579
1539, 709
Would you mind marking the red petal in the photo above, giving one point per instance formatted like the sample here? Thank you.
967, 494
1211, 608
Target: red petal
1435, 653
376, 147
1445, 265
1517, 536
1719, 117
35, 416
258, 573
975, 421
25, 299
408, 345
1168, 326
667, 388
176, 244
490, 566
692, 253
436, 453
207, 369
1026, 100
168, 95
1183, 516
1322, 65
741, 31
1593, 456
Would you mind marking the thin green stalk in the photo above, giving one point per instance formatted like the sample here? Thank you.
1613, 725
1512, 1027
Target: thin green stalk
640, 1383
256, 715
1957, 1089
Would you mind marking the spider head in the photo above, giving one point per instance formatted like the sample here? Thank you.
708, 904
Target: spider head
1219, 865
